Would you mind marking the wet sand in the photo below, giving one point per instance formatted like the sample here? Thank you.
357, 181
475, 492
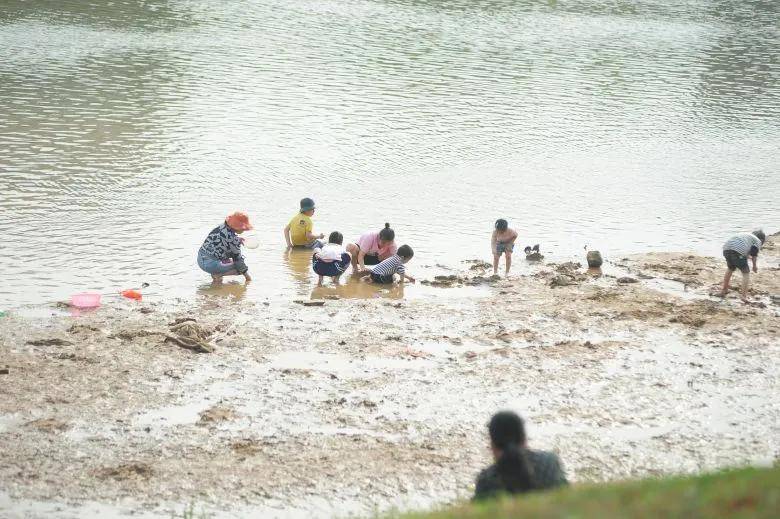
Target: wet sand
361, 405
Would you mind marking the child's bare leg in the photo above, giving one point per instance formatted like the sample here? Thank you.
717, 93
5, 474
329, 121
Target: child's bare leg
726, 281
496, 257
319, 283
216, 279
247, 277
508, 261
745, 283
336, 280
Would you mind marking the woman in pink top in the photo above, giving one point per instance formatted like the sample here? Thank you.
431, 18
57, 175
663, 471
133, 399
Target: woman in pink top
372, 247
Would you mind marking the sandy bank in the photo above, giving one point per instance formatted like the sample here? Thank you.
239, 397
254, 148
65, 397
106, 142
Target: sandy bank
360, 405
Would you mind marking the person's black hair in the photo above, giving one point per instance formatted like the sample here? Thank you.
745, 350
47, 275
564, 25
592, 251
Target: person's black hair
336, 237
387, 234
760, 235
405, 251
507, 434
502, 225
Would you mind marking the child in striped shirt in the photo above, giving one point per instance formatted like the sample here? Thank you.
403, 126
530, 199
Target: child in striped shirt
737, 250
383, 272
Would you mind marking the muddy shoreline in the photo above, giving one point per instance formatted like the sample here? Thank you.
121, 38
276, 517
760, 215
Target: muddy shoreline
365, 405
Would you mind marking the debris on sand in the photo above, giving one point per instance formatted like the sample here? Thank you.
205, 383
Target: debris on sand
196, 345
533, 254
523, 333
191, 336
627, 280
180, 320
562, 281
568, 274
5, 370
217, 414
310, 302
82, 328
693, 321
190, 330
133, 334
569, 267
443, 281
126, 471
53, 341
480, 265
247, 447
452, 280
49, 425
594, 259
418, 354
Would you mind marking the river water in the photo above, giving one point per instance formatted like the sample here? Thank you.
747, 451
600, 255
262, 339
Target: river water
128, 129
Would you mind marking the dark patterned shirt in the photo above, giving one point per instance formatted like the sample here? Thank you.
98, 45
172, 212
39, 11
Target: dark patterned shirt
222, 243
546, 471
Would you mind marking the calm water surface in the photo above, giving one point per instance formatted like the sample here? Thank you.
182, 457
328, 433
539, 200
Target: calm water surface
128, 129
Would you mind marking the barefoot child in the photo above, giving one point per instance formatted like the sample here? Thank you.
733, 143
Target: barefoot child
502, 242
220, 254
331, 260
298, 232
737, 251
384, 272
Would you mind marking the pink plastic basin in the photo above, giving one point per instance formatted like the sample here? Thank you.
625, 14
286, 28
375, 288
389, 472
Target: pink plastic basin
85, 300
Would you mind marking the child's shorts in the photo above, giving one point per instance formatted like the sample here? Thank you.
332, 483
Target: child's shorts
502, 247
735, 260
377, 278
215, 266
331, 268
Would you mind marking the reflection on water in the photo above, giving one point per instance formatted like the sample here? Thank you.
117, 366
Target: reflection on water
355, 288
230, 289
298, 263
350, 286
129, 129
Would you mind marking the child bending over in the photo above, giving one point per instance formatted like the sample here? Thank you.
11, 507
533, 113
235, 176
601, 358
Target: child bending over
385, 271
737, 251
502, 242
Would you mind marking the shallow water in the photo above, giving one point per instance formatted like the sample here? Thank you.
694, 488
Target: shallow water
128, 131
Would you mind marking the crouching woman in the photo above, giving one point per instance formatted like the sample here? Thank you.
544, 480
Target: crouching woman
220, 255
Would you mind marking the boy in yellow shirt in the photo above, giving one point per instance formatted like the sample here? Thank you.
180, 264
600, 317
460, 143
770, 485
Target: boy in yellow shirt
298, 232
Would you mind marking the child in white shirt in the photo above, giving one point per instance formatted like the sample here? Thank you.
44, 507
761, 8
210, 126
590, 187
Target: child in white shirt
331, 260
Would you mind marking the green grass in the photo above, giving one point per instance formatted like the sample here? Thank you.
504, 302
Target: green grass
745, 493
